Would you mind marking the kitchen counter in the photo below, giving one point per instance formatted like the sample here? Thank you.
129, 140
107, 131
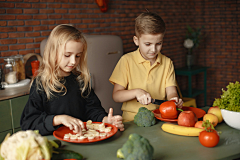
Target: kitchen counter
166, 146
14, 92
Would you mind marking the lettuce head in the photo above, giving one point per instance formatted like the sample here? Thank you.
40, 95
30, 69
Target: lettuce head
230, 99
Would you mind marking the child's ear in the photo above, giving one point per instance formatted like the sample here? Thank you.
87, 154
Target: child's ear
135, 40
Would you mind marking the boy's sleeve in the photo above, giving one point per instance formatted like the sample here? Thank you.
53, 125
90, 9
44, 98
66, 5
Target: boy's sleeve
34, 117
120, 73
170, 78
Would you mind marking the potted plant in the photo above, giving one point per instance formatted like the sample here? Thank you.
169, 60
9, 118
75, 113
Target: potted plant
229, 103
192, 41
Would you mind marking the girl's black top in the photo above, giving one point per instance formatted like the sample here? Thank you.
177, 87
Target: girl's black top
39, 112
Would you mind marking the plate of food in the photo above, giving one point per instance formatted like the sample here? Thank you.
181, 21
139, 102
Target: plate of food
93, 132
199, 113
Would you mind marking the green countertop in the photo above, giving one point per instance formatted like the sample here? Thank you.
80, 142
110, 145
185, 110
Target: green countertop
166, 146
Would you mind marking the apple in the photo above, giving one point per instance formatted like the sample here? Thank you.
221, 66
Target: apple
187, 118
212, 118
198, 124
217, 112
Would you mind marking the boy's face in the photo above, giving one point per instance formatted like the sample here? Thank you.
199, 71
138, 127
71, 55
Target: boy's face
70, 58
149, 45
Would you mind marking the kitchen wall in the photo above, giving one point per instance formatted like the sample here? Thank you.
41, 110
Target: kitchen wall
25, 23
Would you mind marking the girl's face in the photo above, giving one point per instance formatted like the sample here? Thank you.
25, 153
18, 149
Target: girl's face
149, 45
70, 58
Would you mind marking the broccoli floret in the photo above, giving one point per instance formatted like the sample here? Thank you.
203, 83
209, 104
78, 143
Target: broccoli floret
136, 148
144, 118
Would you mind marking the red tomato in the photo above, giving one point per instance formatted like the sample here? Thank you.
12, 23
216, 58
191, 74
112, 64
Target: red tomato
209, 139
187, 118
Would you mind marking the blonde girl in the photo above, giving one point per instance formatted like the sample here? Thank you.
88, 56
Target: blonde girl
61, 93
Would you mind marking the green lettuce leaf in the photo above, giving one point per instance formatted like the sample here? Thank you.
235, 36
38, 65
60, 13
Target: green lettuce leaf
230, 99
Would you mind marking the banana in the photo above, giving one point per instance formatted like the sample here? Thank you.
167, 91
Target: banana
181, 130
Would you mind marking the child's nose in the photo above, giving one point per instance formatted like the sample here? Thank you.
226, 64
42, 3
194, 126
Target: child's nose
73, 60
154, 48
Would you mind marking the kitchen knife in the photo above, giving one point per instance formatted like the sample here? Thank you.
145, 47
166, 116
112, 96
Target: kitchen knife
157, 101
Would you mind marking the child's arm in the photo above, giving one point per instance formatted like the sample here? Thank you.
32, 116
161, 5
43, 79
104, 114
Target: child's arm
34, 117
120, 94
114, 120
173, 95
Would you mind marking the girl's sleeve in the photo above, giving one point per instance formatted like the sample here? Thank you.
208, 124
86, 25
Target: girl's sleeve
94, 109
33, 116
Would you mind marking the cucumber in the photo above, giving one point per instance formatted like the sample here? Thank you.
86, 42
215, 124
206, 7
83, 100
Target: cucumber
65, 154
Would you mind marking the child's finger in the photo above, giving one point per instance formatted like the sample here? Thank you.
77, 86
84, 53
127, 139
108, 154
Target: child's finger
118, 118
110, 113
81, 124
121, 127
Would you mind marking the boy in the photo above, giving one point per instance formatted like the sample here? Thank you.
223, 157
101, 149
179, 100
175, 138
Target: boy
145, 73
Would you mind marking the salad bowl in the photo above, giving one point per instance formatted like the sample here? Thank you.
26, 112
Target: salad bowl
231, 118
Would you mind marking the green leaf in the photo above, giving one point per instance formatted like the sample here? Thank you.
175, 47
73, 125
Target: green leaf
230, 99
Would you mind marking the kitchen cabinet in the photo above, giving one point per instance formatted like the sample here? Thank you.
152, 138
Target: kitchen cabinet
10, 114
193, 92
12, 103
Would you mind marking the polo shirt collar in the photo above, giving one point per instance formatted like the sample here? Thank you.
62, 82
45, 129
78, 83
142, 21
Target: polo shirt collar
140, 59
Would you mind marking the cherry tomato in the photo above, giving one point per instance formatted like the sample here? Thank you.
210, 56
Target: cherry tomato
209, 139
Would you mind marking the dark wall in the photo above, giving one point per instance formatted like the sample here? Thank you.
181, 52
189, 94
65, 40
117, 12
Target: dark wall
24, 23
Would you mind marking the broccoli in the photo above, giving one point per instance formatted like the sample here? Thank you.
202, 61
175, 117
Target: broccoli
136, 148
144, 118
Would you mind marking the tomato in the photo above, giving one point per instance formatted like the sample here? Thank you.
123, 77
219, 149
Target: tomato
187, 118
209, 138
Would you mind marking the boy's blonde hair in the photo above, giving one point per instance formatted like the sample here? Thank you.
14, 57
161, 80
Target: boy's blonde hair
149, 23
48, 76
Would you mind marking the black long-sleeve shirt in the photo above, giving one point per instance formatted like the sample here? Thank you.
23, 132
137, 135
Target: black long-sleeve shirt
39, 112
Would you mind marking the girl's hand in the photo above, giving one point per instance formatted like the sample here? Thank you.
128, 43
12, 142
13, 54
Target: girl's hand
143, 97
72, 123
114, 120
179, 101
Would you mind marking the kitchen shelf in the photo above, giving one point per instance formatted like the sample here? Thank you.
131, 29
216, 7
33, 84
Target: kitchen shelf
195, 92
185, 71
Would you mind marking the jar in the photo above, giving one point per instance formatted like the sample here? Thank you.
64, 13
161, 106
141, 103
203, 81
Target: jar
19, 67
9, 72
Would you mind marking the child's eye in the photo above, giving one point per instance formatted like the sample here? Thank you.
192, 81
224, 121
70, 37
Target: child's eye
147, 44
78, 55
159, 43
67, 55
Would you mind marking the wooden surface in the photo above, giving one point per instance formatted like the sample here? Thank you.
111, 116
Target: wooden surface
14, 92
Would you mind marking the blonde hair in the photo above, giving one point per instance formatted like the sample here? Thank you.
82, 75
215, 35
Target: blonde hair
48, 75
149, 23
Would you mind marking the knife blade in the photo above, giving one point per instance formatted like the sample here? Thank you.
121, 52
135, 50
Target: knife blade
157, 101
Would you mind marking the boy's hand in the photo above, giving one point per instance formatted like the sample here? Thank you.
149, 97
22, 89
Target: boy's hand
179, 101
143, 97
114, 120
72, 123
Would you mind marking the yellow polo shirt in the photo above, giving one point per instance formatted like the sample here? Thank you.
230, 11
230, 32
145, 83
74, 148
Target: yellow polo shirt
133, 71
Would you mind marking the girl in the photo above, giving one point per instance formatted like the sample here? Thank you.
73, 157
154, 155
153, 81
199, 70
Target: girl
61, 93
